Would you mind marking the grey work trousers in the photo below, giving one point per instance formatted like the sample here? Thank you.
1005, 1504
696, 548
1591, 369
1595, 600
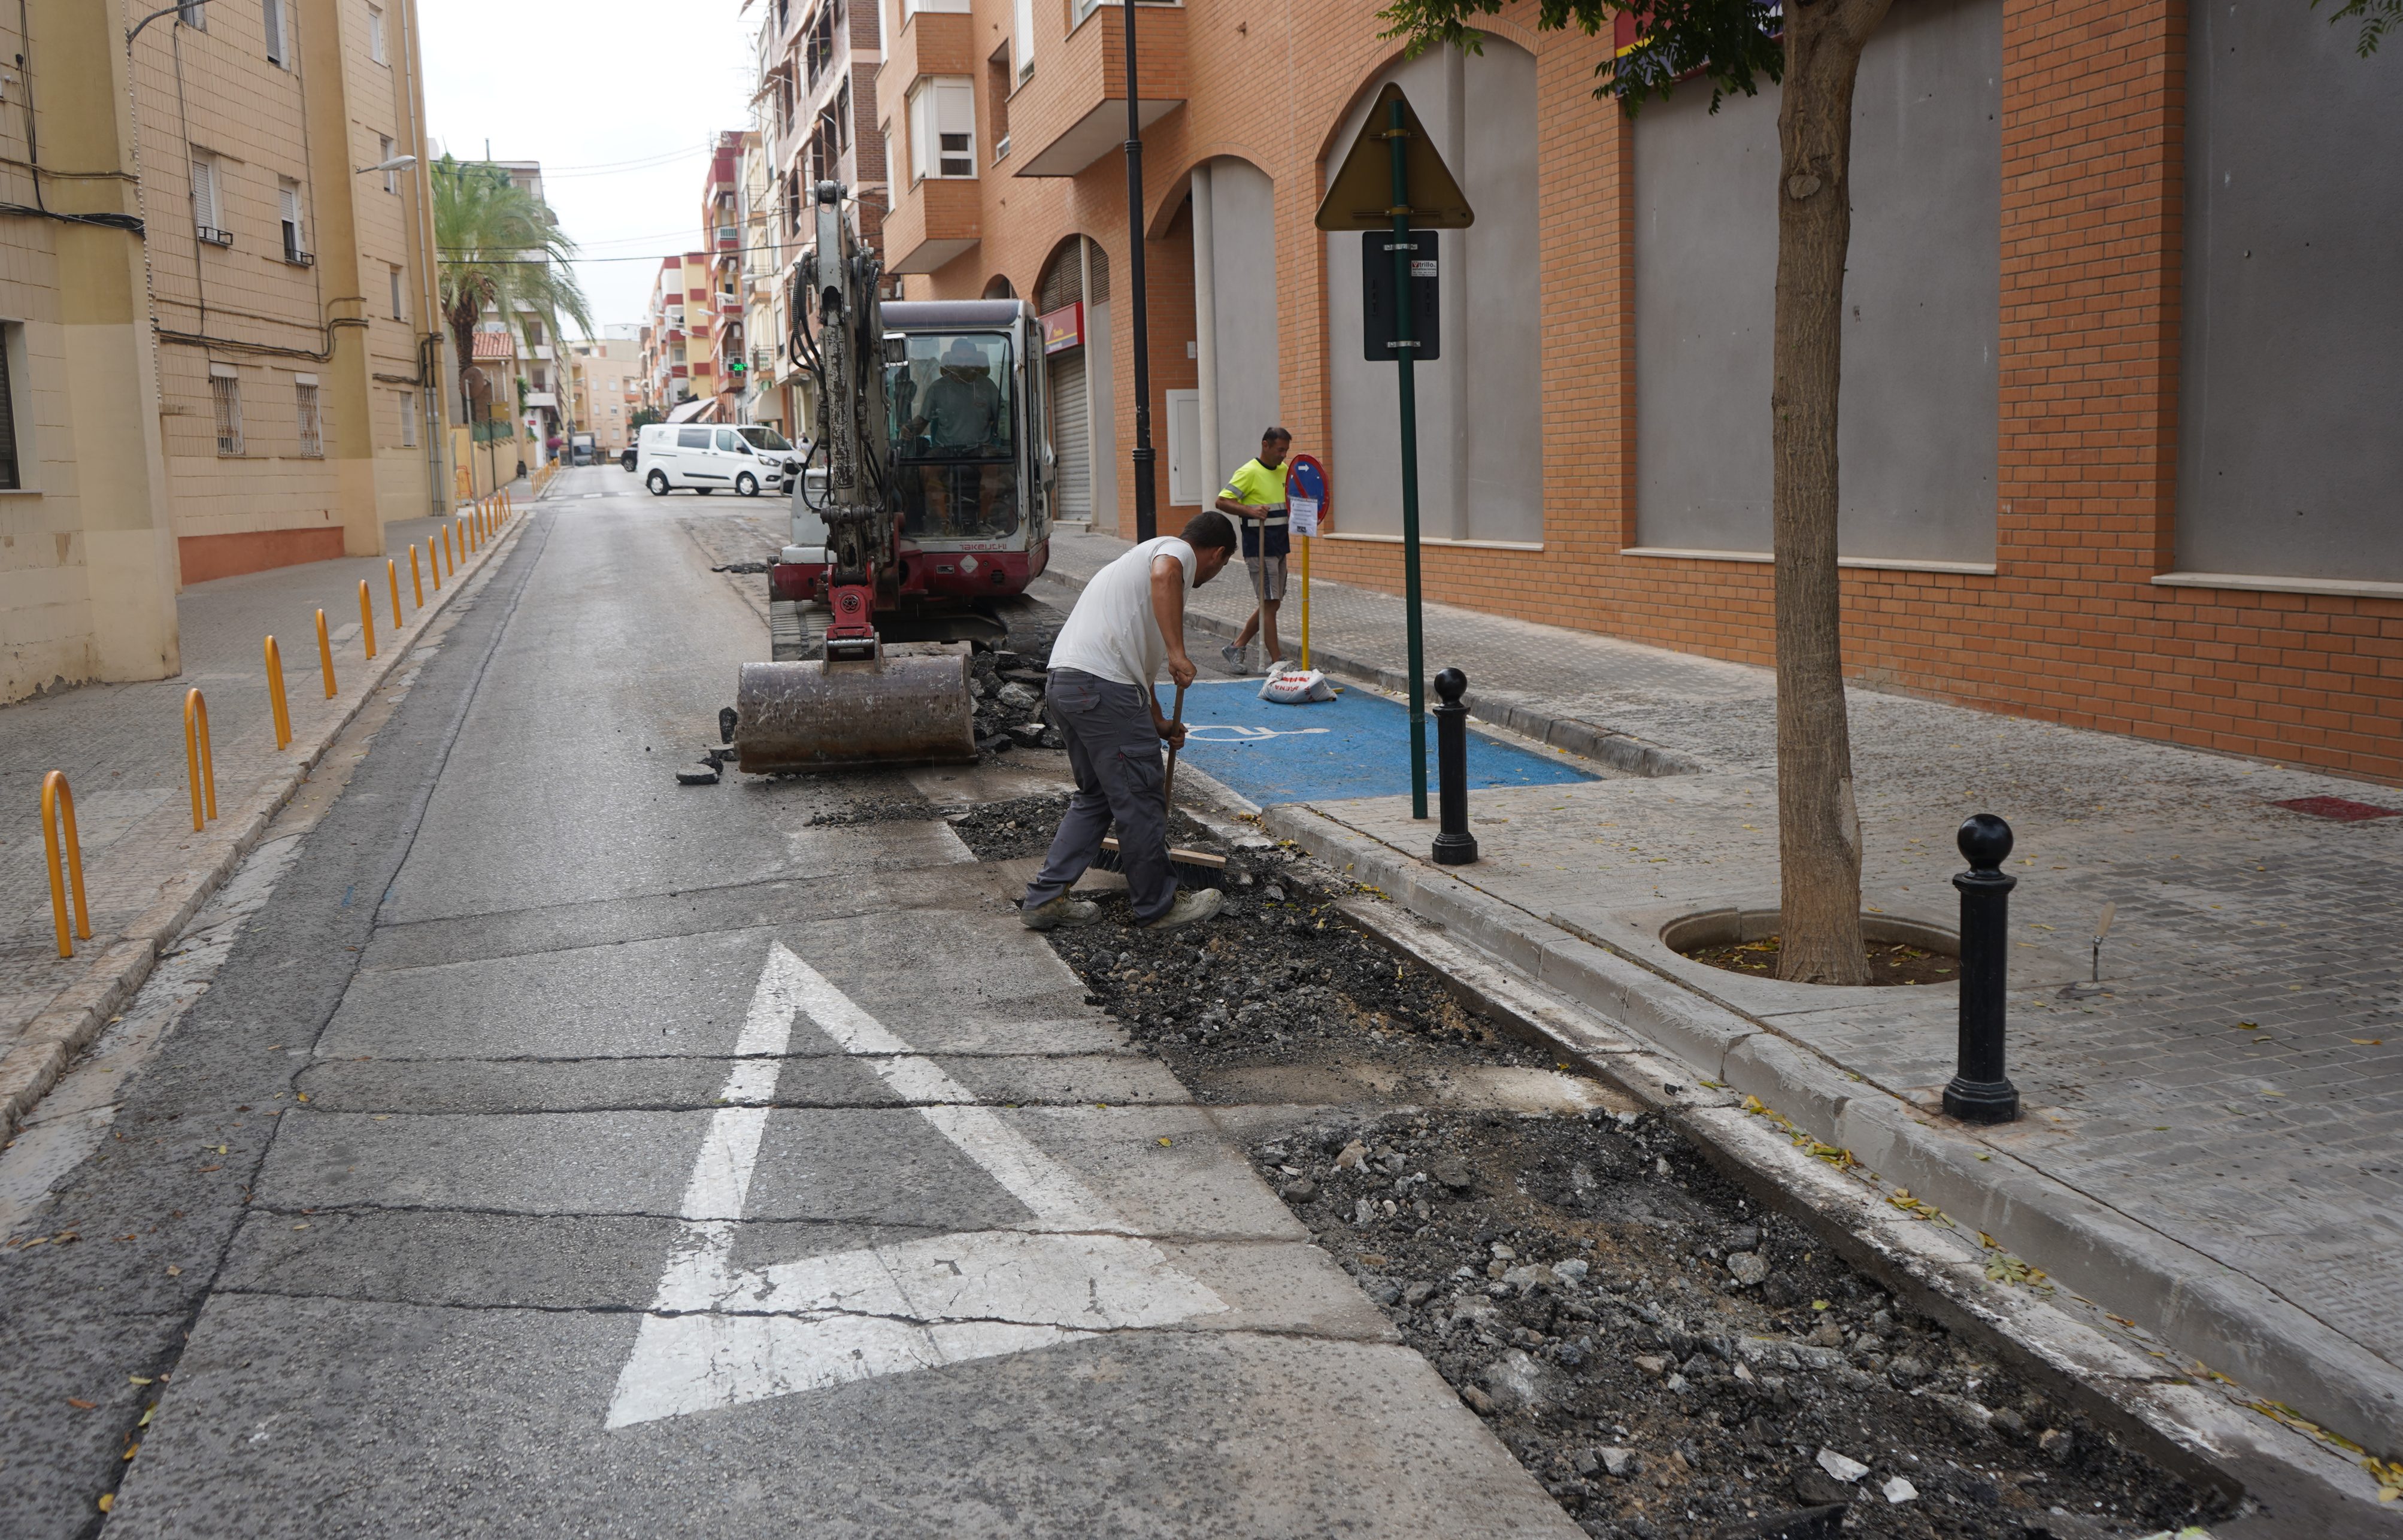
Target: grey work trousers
1114, 749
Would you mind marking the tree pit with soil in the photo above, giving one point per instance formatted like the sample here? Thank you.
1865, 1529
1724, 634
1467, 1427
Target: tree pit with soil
1890, 961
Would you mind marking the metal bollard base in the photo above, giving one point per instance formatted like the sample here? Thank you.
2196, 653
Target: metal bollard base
1454, 849
1981, 1101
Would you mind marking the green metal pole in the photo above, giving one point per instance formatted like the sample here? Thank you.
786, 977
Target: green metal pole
1409, 396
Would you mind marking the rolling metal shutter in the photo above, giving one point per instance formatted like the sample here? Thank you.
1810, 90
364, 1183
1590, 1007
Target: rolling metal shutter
1069, 438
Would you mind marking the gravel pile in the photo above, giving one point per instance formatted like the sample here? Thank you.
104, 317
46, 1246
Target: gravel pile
1024, 825
1008, 688
1671, 1360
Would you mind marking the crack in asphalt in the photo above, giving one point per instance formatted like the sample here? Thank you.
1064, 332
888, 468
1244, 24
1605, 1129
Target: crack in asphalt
1184, 1329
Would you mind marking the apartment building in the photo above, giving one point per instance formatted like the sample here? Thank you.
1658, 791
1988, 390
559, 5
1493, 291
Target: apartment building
670, 352
723, 307
818, 64
87, 538
2119, 357
291, 276
764, 398
603, 395
218, 259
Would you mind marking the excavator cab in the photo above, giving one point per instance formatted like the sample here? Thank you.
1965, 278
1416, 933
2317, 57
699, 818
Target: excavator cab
972, 473
954, 404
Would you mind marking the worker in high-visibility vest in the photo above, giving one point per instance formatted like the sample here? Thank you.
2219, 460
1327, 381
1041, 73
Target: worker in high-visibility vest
1254, 498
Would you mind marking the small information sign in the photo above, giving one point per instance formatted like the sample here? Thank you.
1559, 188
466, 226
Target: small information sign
1378, 343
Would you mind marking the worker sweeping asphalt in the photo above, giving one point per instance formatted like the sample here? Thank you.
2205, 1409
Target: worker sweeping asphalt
1128, 624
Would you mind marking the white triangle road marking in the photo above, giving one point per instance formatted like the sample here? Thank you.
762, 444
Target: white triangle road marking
720, 1336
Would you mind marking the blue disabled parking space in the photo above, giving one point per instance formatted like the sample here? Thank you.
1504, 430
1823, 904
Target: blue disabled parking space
1357, 745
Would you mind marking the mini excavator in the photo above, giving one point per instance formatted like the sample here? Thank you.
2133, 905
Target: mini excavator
924, 500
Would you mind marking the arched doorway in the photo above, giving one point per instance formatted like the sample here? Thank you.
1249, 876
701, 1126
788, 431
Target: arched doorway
1235, 312
1074, 300
998, 288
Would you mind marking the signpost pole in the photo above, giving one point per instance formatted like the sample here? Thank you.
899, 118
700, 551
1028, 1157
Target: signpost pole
1397, 137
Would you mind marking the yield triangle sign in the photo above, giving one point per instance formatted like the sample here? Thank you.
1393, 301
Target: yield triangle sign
1361, 196
719, 1335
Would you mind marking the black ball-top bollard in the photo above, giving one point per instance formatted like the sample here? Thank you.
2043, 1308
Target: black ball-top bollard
1980, 1092
1455, 846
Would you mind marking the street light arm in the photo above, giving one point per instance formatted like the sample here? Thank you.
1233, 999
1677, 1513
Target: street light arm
176, 9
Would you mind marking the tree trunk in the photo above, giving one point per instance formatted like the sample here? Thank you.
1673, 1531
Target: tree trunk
1819, 831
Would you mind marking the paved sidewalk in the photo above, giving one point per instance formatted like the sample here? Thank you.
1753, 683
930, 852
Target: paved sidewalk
2214, 1135
121, 745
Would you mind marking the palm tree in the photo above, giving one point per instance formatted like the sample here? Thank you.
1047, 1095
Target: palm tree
500, 249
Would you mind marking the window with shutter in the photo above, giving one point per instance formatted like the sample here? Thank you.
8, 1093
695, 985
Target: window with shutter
287, 198
276, 52
204, 195
383, 153
375, 35
942, 128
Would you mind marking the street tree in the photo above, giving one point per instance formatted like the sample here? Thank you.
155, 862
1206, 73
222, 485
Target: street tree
1814, 50
498, 248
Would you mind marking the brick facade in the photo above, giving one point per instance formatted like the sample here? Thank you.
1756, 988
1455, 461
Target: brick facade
2069, 627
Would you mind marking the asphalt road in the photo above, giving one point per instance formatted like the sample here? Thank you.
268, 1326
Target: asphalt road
558, 1150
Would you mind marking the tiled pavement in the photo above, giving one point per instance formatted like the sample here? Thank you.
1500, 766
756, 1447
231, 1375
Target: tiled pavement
121, 746
2236, 1082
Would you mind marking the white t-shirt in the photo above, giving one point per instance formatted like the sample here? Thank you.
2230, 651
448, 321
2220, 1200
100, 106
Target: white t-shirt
1112, 632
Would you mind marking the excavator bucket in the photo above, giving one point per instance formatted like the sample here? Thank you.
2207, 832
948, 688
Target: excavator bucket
911, 706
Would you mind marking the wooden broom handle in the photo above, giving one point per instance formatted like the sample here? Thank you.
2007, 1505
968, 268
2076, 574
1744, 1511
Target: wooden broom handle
1168, 782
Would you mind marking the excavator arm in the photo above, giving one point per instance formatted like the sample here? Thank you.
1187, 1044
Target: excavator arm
862, 703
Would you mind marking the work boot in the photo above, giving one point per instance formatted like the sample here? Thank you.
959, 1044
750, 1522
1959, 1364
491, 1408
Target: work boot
1192, 905
1062, 910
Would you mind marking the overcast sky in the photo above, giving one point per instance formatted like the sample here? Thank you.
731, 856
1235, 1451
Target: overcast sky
618, 101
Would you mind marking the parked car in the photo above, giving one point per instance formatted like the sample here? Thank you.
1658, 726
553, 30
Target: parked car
706, 456
626, 459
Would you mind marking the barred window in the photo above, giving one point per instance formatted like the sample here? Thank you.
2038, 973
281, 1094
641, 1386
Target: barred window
225, 396
313, 427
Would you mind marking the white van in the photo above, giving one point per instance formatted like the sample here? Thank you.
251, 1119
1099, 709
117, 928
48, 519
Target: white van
706, 456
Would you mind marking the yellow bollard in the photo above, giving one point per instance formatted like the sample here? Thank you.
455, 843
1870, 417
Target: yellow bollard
392, 576
367, 617
58, 807
417, 583
200, 765
278, 708
326, 654
449, 557
433, 559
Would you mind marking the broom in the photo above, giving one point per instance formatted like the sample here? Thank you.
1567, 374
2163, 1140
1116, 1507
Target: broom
1194, 868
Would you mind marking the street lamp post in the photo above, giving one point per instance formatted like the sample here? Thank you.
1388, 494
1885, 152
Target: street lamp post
1147, 517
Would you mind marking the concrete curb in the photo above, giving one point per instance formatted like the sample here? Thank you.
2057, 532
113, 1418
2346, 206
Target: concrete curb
1588, 739
2235, 1324
77, 1013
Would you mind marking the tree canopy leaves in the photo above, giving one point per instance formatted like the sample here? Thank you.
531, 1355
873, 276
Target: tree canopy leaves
1734, 44
2377, 17
498, 248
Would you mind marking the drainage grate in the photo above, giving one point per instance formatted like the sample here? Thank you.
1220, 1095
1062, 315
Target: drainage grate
2342, 808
